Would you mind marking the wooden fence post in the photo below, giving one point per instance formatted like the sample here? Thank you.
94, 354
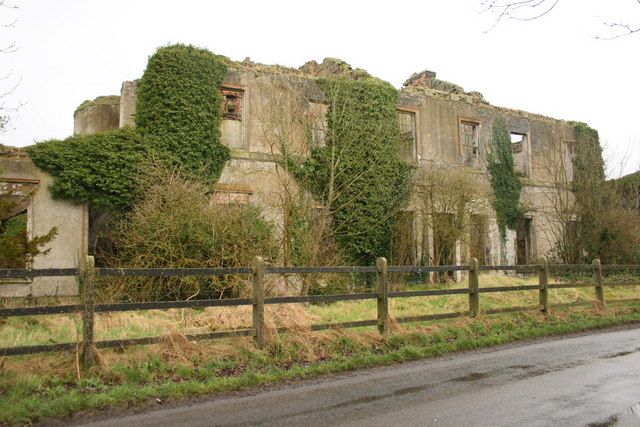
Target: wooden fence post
258, 301
88, 354
474, 295
382, 288
543, 281
597, 278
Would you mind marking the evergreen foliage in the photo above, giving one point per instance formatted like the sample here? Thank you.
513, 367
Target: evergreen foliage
178, 124
179, 109
101, 168
506, 185
592, 198
359, 175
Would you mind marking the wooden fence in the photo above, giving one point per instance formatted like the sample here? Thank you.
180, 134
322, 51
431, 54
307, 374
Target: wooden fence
382, 294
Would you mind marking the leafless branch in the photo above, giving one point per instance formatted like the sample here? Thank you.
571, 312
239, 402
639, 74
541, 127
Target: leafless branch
9, 25
626, 30
10, 48
523, 10
9, 91
529, 10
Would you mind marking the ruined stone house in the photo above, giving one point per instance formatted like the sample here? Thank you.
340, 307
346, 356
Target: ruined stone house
439, 123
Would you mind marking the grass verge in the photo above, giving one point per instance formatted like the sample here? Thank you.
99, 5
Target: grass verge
33, 388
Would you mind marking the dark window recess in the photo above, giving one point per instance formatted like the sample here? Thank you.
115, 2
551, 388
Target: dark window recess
403, 239
524, 241
232, 104
14, 244
479, 247
444, 245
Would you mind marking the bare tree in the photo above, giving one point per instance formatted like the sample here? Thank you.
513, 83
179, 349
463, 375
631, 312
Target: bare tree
286, 117
560, 209
290, 112
585, 216
315, 163
8, 81
522, 10
529, 10
447, 198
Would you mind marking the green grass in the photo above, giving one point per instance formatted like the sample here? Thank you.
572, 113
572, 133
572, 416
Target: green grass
34, 388
29, 397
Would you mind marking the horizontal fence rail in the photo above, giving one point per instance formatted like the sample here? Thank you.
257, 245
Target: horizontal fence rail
170, 272
19, 273
258, 301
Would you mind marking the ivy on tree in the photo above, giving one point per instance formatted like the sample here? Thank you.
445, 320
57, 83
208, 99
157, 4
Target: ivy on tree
506, 185
177, 124
359, 175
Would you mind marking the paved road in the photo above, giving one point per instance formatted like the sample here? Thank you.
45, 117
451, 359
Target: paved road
591, 380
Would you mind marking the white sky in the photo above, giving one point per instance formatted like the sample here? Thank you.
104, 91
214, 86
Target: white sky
70, 51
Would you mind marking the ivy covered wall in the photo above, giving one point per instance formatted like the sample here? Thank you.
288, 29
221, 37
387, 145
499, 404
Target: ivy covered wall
178, 125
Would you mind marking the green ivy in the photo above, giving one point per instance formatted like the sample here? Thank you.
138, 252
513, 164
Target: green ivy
179, 108
101, 168
16, 249
592, 198
371, 181
177, 123
588, 165
506, 185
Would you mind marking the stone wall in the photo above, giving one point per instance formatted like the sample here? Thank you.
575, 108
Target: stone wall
98, 115
440, 115
67, 249
440, 109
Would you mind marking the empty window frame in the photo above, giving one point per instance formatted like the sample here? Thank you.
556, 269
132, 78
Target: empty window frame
518, 141
232, 115
232, 104
470, 142
403, 240
520, 149
231, 194
408, 140
15, 227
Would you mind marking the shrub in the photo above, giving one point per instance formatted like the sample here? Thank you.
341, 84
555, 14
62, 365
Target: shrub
101, 168
175, 225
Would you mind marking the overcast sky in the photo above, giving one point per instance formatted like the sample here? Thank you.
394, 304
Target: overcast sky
70, 51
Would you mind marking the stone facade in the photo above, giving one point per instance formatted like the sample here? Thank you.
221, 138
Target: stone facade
443, 115
69, 247
445, 124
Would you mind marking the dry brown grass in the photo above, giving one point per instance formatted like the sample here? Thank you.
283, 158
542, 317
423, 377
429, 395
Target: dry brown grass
298, 343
